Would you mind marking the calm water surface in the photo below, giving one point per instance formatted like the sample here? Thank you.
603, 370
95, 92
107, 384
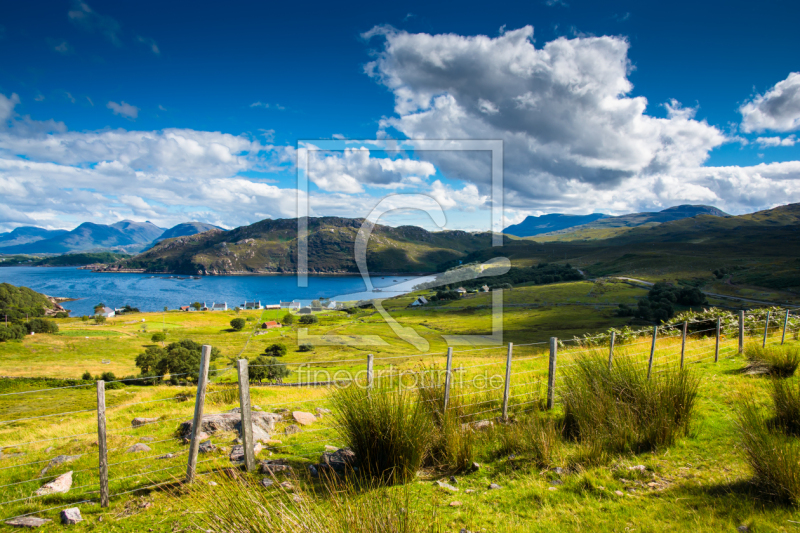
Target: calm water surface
151, 292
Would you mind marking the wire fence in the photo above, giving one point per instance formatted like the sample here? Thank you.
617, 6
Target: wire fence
152, 442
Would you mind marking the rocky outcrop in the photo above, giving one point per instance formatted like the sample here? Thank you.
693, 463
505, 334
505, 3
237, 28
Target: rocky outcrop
263, 424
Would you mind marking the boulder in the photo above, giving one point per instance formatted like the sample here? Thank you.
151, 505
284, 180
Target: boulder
237, 452
59, 485
140, 421
273, 467
71, 516
494, 486
58, 460
230, 422
139, 447
207, 447
303, 418
266, 482
339, 461
27, 521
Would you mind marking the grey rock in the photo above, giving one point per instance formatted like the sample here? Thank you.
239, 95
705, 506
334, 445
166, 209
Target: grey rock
446, 486
237, 452
312, 469
141, 421
329, 448
230, 422
27, 521
59, 485
292, 429
281, 411
274, 467
267, 482
58, 460
339, 461
558, 470
257, 408
453, 480
71, 516
494, 486
475, 466
207, 447
303, 418
556, 482
139, 447
640, 468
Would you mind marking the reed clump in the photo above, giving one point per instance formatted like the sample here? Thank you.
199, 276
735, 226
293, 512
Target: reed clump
779, 361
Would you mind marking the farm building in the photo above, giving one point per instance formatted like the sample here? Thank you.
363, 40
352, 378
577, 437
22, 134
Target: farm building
461, 291
304, 311
292, 306
272, 306
270, 325
419, 301
219, 307
106, 312
252, 305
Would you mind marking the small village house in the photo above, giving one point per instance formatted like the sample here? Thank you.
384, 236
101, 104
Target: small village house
272, 306
252, 305
419, 301
219, 307
106, 312
271, 325
461, 291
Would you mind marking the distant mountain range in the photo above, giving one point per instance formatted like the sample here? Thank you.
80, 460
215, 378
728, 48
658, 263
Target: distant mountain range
557, 224
124, 236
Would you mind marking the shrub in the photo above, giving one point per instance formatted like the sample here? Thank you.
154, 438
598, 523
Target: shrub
275, 350
786, 399
452, 444
158, 337
41, 325
62, 314
108, 376
268, 368
771, 453
87, 376
238, 324
288, 319
308, 319
12, 332
389, 432
178, 358
779, 361
305, 347
99, 319
534, 435
620, 410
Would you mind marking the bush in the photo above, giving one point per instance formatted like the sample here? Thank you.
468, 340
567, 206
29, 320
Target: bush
177, 359
12, 332
238, 324
620, 410
452, 445
305, 347
87, 376
288, 319
534, 435
786, 399
159, 337
275, 350
308, 319
41, 325
771, 453
268, 368
778, 361
62, 314
388, 432
108, 376
99, 319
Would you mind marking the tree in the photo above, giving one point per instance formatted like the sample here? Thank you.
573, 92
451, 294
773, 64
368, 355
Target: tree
238, 324
275, 350
166, 308
159, 337
305, 347
288, 319
99, 319
268, 368
237, 309
40, 325
180, 358
308, 319
197, 306
12, 332
99, 307
87, 376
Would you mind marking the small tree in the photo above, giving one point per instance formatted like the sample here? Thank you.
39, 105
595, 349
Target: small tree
87, 376
288, 319
166, 308
159, 337
268, 368
305, 347
41, 325
308, 319
197, 306
275, 350
238, 324
237, 309
99, 307
99, 319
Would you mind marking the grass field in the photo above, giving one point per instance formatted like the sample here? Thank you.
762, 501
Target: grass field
700, 483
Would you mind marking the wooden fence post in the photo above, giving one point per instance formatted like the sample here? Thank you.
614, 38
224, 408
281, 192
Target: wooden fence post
785, 323
611, 349
369, 370
197, 421
247, 419
448, 378
766, 329
101, 442
741, 331
508, 381
683, 342
652, 352
716, 346
551, 373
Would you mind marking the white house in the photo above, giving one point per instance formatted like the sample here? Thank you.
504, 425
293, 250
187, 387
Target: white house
252, 305
106, 312
419, 301
219, 307
461, 291
272, 306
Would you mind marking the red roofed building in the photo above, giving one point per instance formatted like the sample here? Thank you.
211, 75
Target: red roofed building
271, 324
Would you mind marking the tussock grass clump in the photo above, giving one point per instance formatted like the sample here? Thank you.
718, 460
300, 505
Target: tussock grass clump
388, 430
532, 434
452, 445
242, 505
620, 410
786, 399
772, 454
780, 361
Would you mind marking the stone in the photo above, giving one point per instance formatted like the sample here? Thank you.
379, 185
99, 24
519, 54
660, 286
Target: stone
141, 421
303, 418
312, 469
207, 447
640, 468
59, 485
274, 467
652, 484
455, 504
475, 467
446, 486
322, 411
237, 452
494, 486
558, 470
257, 408
552, 488
287, 485
742, 528
556, 482
27, 521
339, 461
58, 460
453, 480
482, 424
71, 516
619, 493
139, 447
266, 482
469, 491
292, 430
230, 422
212, 484
168, 455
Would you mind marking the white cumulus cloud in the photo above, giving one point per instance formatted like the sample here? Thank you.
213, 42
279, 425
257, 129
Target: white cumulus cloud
778, 109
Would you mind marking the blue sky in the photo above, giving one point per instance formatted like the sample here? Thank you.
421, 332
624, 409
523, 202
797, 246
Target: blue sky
170, 111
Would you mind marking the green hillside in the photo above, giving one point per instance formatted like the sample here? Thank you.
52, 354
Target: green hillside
270, 246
